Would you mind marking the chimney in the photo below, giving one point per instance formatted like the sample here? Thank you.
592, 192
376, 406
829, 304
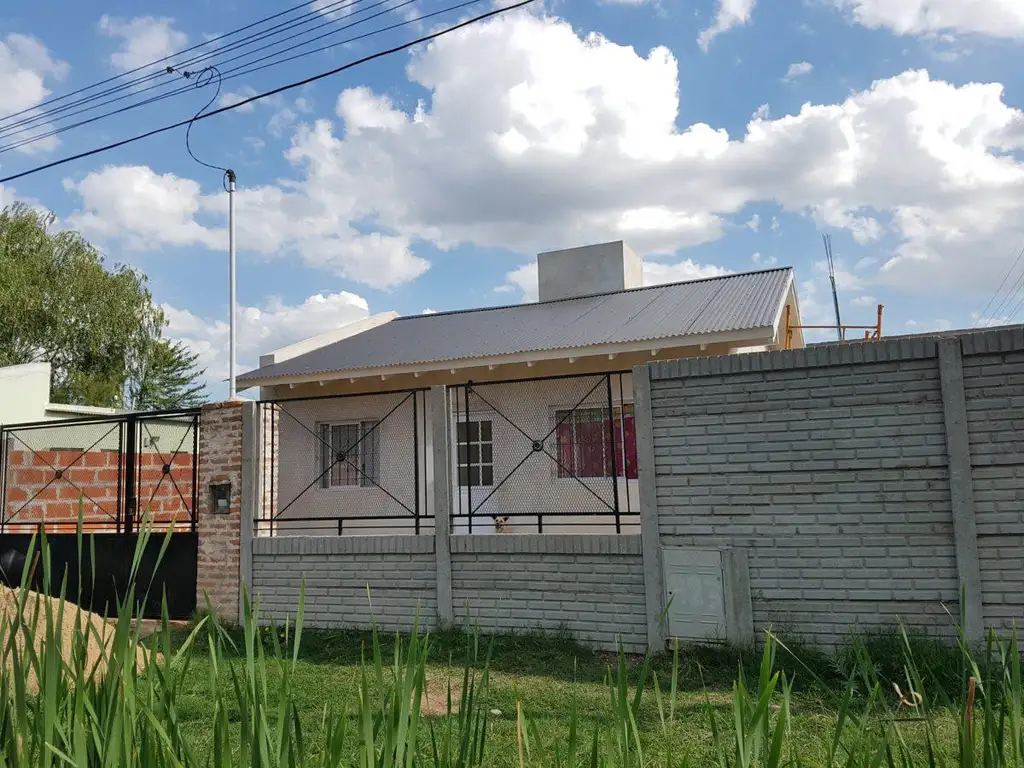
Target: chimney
589, 269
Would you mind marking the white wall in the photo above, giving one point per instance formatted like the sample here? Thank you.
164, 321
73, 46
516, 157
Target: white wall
24, 392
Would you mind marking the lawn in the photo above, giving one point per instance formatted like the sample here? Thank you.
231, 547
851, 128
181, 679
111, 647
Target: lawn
550, 676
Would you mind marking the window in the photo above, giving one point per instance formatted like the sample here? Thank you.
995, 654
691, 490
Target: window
348, 454
584, 441
476, 453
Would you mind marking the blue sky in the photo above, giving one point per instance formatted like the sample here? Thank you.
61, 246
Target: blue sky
713, 136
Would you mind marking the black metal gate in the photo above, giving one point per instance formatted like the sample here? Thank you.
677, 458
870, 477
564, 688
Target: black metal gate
343, 464
559, 449
110, 475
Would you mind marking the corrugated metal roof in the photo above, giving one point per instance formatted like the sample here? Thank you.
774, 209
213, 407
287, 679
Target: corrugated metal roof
714, 305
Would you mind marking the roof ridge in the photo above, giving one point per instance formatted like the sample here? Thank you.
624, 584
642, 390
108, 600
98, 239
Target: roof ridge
594, 295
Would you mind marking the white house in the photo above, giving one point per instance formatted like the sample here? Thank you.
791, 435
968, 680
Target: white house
25, 396
540, 399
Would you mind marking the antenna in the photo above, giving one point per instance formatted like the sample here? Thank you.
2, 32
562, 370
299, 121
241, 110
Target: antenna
827, 238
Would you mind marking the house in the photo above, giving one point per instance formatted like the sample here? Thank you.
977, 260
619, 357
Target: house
539, 399
25, 396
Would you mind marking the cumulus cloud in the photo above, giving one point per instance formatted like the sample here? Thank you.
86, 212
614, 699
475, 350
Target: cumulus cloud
730, 13
799, 69
261, 329
553, 139
231, 98
143, 39
26, 67
997, 18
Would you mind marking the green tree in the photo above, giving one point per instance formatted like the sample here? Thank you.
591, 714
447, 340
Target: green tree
59, 303
169, 377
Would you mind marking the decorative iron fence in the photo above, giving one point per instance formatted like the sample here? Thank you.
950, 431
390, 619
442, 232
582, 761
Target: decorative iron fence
538, 455
112, 471
348, 464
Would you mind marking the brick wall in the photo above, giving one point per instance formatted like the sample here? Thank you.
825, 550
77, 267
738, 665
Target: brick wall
829, 467
591, 586
350, 581
93, 478
220, 451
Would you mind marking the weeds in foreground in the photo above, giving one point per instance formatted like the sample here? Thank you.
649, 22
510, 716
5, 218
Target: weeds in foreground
110, 707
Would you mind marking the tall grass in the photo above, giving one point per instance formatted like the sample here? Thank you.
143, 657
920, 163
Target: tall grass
123, 711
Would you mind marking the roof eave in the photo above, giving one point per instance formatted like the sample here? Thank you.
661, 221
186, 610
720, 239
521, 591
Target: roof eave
743, 336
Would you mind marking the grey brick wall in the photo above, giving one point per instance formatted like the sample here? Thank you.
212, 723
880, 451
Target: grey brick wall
828, 466
591, 586
398, 570
994, 389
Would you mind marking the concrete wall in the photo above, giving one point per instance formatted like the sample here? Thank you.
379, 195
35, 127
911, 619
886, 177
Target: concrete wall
846, 474
589, 586
350, 581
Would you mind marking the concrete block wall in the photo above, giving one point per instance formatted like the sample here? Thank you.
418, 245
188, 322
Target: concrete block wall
831, 466
350, 581
590, 586
993, 370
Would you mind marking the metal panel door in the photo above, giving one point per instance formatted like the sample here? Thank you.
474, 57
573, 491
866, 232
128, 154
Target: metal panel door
695, 589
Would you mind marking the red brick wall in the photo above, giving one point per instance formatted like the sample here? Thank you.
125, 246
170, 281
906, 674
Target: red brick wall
220, 446
34, 494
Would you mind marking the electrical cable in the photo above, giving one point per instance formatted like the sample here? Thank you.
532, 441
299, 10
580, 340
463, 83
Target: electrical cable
250, 68
1006, 277
268, 94
169, 56
38, 118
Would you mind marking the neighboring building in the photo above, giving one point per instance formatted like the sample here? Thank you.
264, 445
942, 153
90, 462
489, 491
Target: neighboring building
551, 377
25, 397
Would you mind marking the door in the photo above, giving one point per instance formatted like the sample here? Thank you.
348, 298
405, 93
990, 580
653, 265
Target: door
695, 590
477, 504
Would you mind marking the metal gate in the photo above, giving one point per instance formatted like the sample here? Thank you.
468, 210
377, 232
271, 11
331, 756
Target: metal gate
345, 464
556, 451
110, 475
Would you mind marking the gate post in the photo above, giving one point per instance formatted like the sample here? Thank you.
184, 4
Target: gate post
440, 427
654, 578
219, 526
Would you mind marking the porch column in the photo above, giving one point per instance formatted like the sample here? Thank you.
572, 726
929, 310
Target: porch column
441, 457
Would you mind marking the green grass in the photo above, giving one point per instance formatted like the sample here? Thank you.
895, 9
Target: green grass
247, 696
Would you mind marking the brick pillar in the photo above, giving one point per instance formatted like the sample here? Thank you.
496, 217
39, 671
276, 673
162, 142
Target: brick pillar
220, 461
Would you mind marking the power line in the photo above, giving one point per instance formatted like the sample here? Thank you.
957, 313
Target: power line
48, 116
254, 67
56, 99
273, 92
1009, 272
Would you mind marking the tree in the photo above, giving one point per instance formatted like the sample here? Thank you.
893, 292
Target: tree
169, 378
59, 303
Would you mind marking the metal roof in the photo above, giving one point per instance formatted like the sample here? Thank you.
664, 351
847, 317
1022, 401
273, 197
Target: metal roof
737, 302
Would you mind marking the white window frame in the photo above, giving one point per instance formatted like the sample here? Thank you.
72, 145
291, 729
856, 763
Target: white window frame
480, 443
365, 426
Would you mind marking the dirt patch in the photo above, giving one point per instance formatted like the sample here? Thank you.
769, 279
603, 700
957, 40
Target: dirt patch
99, 633
435, 696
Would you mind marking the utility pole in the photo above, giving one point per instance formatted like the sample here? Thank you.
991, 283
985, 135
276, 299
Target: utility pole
231, 282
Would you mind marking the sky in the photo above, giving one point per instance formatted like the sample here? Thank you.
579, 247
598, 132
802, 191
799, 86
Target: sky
713, 136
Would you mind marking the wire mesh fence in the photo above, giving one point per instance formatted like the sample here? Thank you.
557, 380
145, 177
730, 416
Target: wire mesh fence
545, 455
113, 472
341, 465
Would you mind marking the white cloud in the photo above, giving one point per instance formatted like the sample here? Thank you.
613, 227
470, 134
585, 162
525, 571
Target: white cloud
754, 223
145, 210
524, 279
775, 226
261, 330
799, 69
730, 13
552, 139
234, 97
998, 18
143, 39
864, 301
764, 261
25, 67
